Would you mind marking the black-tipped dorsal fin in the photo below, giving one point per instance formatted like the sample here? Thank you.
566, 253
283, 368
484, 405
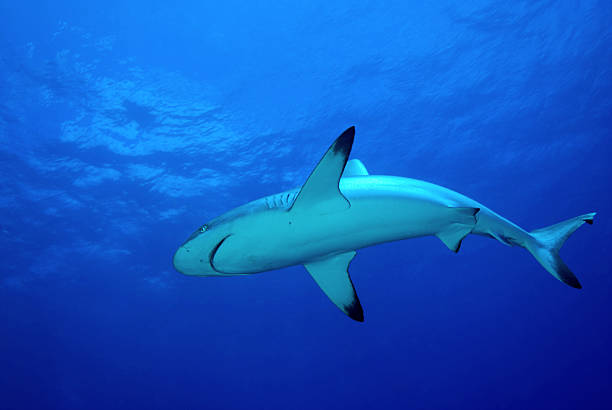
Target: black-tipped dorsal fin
355, 168
321, 193
332, 276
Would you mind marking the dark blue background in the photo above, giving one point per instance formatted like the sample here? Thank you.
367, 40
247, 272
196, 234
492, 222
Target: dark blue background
124, 127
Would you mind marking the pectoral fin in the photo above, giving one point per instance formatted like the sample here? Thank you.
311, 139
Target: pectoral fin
333, 278
321, 193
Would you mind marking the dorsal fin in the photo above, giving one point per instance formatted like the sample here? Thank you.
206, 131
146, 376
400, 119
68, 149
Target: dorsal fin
321, 193
354, 168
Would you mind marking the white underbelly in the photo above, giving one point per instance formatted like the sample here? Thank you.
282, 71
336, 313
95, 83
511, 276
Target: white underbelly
278, 239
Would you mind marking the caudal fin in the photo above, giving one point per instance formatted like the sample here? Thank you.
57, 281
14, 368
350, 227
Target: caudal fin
547, 242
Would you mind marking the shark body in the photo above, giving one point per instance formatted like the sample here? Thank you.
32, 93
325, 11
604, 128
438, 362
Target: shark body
341, 208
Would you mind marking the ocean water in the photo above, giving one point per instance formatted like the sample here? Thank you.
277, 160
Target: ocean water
126, 125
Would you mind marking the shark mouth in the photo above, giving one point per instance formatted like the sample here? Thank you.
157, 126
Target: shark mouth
211, 256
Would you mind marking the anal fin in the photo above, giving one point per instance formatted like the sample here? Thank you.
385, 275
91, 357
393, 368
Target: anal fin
460, 226
332, 276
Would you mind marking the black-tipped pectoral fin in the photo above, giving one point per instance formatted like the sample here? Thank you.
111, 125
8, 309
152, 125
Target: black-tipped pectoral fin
321, 193
332, 276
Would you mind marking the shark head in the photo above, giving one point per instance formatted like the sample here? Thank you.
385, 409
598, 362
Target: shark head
195, 257
261, 235
221, 246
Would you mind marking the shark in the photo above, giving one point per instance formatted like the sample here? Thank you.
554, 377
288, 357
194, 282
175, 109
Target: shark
340, 209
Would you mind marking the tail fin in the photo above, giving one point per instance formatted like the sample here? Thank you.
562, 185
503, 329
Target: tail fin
547, 242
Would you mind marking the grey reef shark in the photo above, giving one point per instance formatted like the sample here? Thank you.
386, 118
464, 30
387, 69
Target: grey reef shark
342, 208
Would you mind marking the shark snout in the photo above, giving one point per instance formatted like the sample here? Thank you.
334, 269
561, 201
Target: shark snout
187, 261
180, 259
193, 259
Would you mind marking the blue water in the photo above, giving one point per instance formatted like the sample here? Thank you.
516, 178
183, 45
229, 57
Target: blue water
124, 127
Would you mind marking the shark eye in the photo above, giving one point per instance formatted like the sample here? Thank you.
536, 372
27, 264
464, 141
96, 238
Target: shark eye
203, 228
